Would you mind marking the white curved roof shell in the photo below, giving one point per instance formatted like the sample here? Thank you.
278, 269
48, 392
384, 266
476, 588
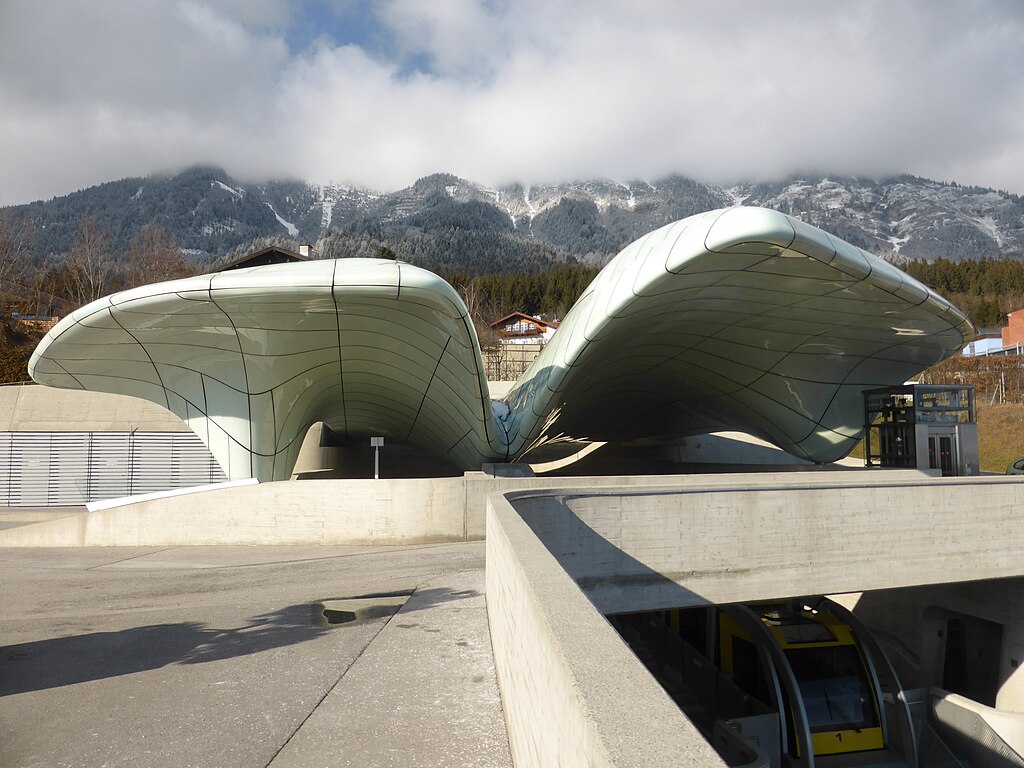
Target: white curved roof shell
740, 318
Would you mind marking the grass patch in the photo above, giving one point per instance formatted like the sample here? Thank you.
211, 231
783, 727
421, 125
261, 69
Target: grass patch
1000, 434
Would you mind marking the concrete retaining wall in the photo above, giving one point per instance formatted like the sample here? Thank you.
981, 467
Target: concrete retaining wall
32, 408
572, 691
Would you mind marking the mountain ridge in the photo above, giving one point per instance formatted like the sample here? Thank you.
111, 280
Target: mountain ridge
444, 221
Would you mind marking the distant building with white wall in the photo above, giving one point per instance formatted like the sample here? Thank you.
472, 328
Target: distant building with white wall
1008, 340
987, 344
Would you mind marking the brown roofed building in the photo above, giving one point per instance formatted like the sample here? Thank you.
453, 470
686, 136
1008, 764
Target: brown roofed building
521, 328
273, 254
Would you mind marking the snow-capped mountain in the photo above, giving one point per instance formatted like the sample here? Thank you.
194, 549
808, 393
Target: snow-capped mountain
906, 217
443, 219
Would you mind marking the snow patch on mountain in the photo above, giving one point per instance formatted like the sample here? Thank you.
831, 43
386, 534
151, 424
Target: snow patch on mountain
529, 204
631, 200
897, 243
736, 194
219, 227
988, 225
292, 229
499, 200
340, 202
226, 188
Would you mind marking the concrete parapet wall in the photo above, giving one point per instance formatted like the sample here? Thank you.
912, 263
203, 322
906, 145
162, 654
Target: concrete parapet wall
407, 511
645, 550
306, 512
573, 693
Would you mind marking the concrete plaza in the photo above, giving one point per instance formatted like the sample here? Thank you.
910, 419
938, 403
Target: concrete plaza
220, 656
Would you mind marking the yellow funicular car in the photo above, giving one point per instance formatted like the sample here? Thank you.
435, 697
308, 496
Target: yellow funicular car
812, 665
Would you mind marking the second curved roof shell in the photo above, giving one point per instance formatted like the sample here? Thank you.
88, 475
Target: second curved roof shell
742, 318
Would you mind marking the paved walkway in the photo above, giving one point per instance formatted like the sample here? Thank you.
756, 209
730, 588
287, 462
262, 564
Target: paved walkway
219, 656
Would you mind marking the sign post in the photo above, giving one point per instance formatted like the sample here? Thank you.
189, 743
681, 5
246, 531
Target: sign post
377, 443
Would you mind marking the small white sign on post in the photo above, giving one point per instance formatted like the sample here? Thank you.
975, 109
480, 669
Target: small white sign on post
377, 443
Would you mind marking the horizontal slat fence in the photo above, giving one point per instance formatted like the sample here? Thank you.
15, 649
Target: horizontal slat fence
54, 469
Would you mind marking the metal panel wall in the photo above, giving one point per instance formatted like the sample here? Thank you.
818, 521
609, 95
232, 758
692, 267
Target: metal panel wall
40, 469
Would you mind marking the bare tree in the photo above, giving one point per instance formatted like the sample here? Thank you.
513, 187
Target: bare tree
17, 236
154, 257
88, 265
482, 312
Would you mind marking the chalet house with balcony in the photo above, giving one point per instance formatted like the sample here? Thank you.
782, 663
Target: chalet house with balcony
521, 328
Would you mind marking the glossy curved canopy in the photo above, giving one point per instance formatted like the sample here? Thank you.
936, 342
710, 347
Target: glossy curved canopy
741, 318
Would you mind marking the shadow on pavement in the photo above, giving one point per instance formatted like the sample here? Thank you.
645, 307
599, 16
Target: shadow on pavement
63, 661
98, 655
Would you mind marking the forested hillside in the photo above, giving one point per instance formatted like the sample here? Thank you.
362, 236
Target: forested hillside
986, 290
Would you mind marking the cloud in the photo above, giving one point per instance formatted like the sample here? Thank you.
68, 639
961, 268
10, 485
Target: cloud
495, 90
461, 38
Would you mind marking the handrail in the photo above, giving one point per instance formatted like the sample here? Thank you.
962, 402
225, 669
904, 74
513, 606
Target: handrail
750, 622
873, 649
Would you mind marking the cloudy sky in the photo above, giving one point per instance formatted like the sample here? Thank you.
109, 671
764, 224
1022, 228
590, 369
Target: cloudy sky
380, 93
